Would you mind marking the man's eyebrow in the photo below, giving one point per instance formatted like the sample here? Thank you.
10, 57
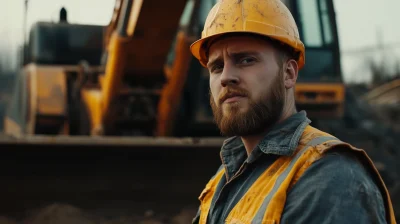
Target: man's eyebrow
239, 54
234, 55
214, 61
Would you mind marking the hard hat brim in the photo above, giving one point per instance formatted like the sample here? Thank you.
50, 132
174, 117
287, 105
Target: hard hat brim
199, 48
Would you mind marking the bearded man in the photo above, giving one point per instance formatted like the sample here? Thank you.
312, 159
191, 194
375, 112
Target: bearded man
276, 167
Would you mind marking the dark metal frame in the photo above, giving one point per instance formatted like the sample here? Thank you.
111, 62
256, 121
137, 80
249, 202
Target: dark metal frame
334, 47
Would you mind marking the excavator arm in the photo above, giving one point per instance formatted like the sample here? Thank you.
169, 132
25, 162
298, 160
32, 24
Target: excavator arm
136, 50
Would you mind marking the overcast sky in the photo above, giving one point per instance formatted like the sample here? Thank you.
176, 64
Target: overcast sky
361, 24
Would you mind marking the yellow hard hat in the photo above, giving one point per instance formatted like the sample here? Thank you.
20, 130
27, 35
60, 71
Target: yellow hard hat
270, 18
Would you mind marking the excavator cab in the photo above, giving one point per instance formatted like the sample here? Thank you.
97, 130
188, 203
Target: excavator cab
42, 102
320, 89
65, 44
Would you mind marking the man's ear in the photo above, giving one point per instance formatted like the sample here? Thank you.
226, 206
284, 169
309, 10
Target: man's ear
291, 72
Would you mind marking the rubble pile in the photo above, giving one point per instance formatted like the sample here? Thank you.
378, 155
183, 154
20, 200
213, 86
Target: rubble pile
389, 115
5, 220
66, 214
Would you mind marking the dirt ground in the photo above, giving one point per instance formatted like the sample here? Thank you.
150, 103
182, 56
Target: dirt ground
67, 214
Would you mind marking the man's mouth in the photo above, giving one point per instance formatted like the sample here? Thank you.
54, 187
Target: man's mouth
231, 98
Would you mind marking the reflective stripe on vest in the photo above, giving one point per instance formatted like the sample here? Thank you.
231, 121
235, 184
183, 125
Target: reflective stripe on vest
282, 177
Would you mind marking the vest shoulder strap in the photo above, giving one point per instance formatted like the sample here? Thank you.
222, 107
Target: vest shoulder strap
334, 143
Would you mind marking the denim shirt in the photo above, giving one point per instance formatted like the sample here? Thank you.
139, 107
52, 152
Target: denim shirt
335, 189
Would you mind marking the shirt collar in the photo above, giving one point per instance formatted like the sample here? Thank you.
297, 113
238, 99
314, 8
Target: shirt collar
281, 140
284, 137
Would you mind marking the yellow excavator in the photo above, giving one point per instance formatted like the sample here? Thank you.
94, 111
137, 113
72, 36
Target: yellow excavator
117, 117
136, 76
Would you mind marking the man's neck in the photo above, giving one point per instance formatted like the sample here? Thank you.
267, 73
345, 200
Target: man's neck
250, 142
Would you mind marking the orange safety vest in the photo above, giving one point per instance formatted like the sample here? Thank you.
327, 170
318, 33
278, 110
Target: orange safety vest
264, 202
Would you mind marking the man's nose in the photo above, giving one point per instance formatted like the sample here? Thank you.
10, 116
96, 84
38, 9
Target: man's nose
229, 76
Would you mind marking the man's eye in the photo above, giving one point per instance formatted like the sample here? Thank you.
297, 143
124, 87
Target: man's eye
217, 68
246, 60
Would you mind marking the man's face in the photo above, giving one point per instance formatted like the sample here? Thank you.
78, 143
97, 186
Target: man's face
247, 89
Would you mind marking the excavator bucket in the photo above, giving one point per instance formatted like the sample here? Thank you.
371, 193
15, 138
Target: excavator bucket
108, 177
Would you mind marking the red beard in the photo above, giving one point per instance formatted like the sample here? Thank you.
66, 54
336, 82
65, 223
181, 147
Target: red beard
261, 115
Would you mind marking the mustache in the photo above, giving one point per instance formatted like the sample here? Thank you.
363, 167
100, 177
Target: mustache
232, 92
